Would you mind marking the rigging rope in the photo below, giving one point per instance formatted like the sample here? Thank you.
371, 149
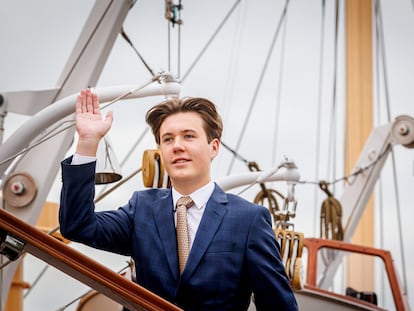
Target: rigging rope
234, 59
204, 49
331, 216
319, 112
279, 91
127, 39
382, 275
256, 92
380, 184
332, 132
267, 195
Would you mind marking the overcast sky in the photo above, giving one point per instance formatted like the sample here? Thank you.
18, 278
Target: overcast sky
37, 37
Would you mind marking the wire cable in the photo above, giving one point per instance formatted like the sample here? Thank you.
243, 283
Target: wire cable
279, 92
319, 111
259, 83
333, 125
381, 39
380, 183
127, 39
204, 49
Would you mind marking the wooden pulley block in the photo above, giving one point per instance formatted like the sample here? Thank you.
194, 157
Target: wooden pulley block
299, 237
287, 268
291, 248
297, 273
280, 238
287, 249
153, 168
298, 278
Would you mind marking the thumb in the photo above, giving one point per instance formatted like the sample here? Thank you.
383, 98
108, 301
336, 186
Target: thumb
109, 118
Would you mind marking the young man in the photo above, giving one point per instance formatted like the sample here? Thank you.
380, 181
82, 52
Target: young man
233, 248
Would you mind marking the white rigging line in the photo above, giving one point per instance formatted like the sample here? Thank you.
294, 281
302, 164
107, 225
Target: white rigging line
233, 69
233, 61
127, 39
179, 45
333, 126
381, 39
169, 45
279, 91
318, 115
380, 184
36, 280
203, 50
282, 17
332, 132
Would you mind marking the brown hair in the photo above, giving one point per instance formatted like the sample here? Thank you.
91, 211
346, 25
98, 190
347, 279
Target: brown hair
212, 123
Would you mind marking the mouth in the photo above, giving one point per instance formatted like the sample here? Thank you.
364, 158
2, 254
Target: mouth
180, 161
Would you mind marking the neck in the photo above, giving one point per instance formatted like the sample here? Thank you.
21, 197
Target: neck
188, 188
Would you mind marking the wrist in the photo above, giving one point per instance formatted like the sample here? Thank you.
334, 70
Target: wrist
87, 147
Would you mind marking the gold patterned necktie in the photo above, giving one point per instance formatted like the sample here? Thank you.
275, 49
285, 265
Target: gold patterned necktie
183, 237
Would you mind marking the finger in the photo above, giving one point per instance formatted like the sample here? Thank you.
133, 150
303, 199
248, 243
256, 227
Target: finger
95, 103
78, 108
82, 101
109, 118
89, 106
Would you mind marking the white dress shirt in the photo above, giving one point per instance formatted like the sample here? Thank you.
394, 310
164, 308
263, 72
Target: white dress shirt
78, 159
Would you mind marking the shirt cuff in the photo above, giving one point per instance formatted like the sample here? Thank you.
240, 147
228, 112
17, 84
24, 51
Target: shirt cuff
78, 159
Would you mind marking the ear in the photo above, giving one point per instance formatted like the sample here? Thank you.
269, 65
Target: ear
214, 148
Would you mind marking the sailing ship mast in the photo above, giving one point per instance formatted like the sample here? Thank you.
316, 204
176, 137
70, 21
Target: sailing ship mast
359, 123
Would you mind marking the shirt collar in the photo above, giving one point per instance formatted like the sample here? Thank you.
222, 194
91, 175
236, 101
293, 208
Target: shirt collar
200, 196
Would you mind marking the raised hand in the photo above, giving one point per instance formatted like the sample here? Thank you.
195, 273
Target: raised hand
90, 125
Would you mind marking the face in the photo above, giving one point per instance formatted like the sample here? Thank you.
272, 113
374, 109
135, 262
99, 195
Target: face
185, 151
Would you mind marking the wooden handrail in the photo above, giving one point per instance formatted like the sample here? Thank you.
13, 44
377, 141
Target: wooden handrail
313, 245
81, 267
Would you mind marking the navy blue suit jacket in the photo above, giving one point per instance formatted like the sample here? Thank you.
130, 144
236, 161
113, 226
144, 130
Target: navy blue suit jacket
234, 252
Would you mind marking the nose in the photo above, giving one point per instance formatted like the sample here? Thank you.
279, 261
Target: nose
178, 145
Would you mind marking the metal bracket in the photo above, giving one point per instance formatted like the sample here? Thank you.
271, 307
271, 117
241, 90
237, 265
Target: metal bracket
10, 246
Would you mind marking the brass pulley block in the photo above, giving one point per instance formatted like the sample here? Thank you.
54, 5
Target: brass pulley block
291, 247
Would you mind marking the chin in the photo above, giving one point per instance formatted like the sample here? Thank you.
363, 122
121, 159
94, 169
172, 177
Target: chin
182, 178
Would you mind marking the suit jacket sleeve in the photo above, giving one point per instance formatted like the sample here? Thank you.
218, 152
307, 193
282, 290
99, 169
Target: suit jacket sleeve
271, 287
109, 230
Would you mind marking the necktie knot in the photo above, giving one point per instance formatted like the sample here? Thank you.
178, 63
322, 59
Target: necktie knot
185, 201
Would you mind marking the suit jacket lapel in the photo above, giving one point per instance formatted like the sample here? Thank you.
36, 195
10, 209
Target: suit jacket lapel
210, 222
164, 219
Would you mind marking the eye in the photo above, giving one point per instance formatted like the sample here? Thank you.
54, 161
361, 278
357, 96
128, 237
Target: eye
167, 139
189, 136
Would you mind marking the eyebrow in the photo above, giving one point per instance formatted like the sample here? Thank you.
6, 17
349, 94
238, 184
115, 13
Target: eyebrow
181, 132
